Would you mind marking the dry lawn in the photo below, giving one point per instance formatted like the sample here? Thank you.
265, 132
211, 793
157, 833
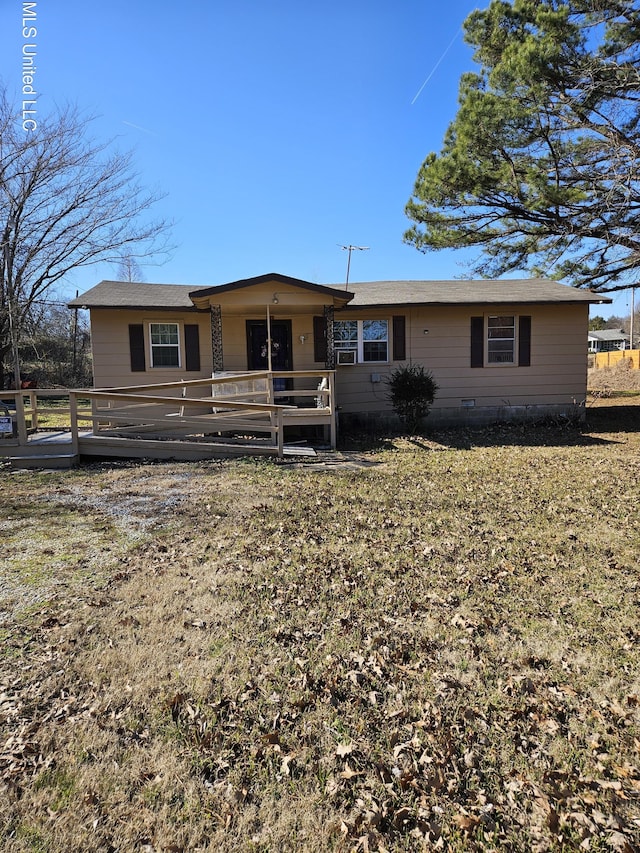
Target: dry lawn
434, 644
620, 379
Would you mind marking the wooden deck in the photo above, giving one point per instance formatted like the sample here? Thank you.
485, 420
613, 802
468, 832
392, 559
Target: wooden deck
226, 416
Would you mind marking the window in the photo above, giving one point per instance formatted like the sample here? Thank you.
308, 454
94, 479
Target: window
165, 344
369, 338
501, 340
165, 341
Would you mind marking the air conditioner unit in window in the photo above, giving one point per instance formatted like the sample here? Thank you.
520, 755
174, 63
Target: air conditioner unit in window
346, 356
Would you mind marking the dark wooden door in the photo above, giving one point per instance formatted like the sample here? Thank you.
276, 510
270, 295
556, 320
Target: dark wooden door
257, 355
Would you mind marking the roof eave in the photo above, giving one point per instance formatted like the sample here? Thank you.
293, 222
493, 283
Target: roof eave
191, 309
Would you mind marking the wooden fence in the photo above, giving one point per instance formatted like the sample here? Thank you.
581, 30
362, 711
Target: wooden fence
610, 359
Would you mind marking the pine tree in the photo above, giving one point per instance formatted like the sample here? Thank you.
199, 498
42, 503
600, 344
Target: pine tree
540, 168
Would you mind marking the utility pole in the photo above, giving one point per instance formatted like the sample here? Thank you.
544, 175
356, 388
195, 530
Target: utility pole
75, 340
351, 249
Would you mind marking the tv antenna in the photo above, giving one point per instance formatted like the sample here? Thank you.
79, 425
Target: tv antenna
351, 249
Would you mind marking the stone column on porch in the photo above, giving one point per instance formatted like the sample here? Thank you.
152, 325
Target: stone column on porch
216, 339
330, 361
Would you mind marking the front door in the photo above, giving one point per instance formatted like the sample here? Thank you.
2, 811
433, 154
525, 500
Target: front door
280, 350
257, 355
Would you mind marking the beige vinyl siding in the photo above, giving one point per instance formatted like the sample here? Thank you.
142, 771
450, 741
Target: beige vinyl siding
556, 376
234, 342
110, 346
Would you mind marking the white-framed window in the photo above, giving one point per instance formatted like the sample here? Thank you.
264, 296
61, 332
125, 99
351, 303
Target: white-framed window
501, 339
165, 344
368, 338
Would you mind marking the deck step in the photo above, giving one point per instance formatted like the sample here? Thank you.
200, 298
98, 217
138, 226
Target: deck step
44, 460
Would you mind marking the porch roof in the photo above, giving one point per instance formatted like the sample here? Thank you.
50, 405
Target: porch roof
336, 293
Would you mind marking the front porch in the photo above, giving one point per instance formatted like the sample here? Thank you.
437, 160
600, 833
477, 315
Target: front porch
235, 414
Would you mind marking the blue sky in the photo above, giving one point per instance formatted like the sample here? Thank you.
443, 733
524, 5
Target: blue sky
278, 131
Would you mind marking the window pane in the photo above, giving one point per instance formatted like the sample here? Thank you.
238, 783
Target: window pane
345, 334
501, 327
164, 333
374, 330
165, 356
374, 351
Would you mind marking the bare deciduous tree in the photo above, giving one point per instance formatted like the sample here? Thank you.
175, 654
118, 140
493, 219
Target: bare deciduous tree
129, 269
66, 201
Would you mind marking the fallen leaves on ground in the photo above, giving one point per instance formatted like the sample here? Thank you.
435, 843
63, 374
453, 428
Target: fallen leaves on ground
438, 652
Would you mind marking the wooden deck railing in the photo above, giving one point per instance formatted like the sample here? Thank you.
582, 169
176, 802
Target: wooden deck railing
241, 403
32, 409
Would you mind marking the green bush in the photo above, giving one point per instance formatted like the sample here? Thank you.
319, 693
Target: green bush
412, 391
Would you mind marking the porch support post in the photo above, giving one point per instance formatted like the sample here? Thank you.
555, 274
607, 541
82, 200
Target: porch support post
330, 361
268, 339
73, 416
280, 436
333, 431
23, 438
216, 338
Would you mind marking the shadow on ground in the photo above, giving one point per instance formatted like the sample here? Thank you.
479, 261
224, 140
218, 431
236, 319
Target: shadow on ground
613, 418
602, 423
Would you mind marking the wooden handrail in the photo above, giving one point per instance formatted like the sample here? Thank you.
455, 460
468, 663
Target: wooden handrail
218, 410
184, 401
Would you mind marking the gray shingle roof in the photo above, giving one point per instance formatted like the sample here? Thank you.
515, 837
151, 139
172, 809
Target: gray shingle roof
124, 294
608, 335
478, 292
132, 294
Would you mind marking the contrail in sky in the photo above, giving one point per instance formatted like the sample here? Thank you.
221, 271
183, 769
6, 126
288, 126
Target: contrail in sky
435, 67
137, 127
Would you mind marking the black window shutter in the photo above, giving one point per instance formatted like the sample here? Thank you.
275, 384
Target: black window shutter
399, 338
319, 339
524, 341
136, 347
192, 346
477, 342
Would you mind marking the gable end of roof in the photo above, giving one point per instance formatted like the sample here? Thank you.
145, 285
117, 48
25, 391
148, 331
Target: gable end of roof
275, 277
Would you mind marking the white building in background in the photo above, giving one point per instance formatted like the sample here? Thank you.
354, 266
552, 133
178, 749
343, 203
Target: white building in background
607, 340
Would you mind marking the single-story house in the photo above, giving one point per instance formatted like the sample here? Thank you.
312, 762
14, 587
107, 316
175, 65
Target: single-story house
608, 340
498, 350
